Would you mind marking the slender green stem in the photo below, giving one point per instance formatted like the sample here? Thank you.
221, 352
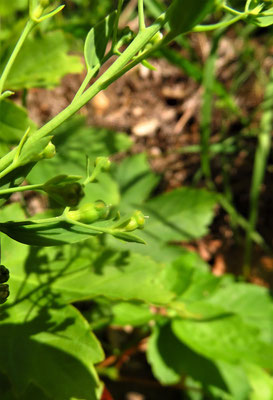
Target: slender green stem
261, 157
231, 10
8, 169
223, 24
90, 74
115, 31
141, 18
85, 82
247, 5
207, 105
117, 69
21, 189
29, 25
238, 219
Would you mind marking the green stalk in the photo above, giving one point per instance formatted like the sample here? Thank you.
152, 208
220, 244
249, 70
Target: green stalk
207, 104
260, 162
11, 190
118, 68
239, 220
223, 24
141, 19
29, 25
115, 30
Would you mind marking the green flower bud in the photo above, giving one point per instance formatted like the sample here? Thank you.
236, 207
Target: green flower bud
156, 38
137, 221
66, 194
103, 163
4, 274
4, 293
90, 212
48, 152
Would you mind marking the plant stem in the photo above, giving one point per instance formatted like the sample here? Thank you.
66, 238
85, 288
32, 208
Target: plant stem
239, 219
247, 5
231, 10
29, 25
207, 104
90, 74
115, 30
261, 157
117, 69
223, 24
141, 19
38, 186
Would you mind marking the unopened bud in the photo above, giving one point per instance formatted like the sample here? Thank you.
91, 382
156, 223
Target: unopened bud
4, 274
48, 152
137, 221
90, 212
4, 293
103, 163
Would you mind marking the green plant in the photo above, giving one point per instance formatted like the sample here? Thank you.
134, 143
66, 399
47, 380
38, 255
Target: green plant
38, 323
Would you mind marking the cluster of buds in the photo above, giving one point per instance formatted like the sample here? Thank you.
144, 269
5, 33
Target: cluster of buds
4, 288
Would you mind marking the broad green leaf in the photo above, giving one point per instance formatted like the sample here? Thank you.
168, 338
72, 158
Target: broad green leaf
58, 233
182, 214
125, 313
251, 302
183, 15
50, 64
236, 379
225, 338
13, 122
261, 382
52, 342
86, 270
171, 359
37, 327
97, 39
136, 180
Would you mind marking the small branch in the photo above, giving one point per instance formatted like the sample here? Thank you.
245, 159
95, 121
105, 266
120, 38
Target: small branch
206, 28
21, 189
141, 19
29, 25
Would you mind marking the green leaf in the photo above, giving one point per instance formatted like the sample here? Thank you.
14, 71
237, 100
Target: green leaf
251, 302
171, 359
263, 21
183, 15
13, 122
182, 214
37, 327
50, 64
97, 39
133, 314
52, 342
225, 338
261, 383
59, 232
85, 271
135, 179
